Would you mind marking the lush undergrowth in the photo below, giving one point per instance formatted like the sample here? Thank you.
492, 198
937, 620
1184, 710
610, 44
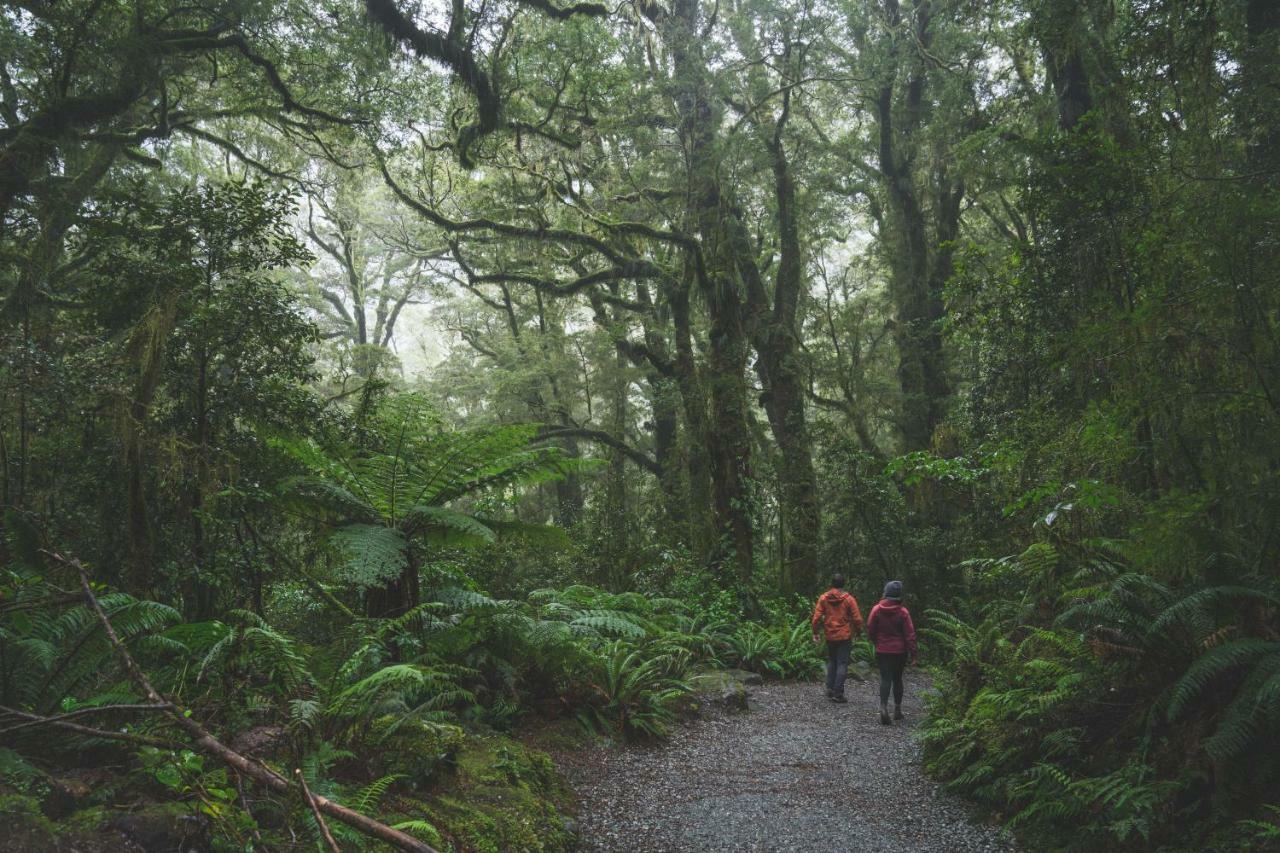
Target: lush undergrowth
408, 719
1092, 707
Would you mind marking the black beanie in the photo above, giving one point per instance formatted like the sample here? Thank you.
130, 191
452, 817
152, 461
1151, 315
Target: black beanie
893, 590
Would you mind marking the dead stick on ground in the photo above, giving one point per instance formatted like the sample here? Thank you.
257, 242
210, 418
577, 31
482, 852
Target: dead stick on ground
311, 801
207, 743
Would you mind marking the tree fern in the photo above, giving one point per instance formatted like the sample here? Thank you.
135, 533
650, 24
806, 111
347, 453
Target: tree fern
1200, 601
385, 500
81, 648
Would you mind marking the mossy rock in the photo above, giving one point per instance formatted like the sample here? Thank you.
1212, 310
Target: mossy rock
24, 828
506, 796
494, 760
87, 820
724, 689
165, 826
422, 752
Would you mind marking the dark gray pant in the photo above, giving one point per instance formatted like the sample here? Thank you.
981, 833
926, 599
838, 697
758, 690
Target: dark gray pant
837, 665
891, 667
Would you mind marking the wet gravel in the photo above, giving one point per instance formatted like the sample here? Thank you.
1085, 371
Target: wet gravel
796, 772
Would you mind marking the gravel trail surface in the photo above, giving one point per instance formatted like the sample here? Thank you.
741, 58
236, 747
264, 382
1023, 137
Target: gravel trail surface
796, 772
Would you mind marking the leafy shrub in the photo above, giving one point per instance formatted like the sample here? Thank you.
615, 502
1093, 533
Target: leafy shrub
633, 696
1100, 703
774, 652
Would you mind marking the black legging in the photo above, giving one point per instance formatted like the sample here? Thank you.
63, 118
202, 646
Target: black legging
891, 667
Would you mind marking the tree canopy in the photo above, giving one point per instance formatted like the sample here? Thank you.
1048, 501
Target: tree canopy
406, 368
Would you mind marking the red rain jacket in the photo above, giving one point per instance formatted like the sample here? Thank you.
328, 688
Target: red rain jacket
889, 627
838, 612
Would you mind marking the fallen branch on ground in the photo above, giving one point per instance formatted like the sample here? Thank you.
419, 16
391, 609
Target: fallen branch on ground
311, 801
210, 745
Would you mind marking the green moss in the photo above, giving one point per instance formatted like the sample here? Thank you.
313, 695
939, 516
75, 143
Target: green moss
422, 752
24, 827
86, 819
506, 796
566, 734
501, 819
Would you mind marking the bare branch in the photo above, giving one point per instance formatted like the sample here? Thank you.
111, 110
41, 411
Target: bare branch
86, 731
82, 712
600, 437
315, 810
212, 746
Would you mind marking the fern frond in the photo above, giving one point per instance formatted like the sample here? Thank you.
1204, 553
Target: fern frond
1212, 665
375, 554
447, 526
367, 798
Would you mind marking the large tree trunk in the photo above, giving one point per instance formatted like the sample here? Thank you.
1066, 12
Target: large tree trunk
615, 526
146, 349
200, 594
694, 403
782, 376
665, 410
1260, 90
569, 496
915, 282
728, 438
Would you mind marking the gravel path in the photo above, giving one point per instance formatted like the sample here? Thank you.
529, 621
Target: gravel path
795, 773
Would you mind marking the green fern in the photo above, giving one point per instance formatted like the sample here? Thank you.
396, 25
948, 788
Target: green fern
383, 501
1214, 665
633, 695
422, 830
367, 799
374, 555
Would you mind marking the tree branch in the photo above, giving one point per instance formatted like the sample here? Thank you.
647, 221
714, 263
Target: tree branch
82, 712
600, 437
315, 811
446, 50
86, 731
209, 744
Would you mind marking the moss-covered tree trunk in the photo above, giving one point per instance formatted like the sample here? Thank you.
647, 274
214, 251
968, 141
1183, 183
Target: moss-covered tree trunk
728, 437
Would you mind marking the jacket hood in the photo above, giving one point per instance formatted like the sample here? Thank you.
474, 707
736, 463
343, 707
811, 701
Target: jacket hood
833, 594
890, 604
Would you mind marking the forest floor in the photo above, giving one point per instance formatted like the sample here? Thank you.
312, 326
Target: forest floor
796, 772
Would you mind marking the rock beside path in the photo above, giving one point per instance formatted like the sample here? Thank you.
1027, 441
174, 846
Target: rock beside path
797, 772
721, 690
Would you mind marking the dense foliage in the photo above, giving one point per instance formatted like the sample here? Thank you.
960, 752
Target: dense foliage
413, 379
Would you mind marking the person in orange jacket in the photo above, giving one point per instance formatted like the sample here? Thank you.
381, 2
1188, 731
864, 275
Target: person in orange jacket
841, 621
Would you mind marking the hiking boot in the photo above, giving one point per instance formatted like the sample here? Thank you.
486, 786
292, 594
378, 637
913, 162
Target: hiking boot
897, 712
884, 719
838, 697
830, 693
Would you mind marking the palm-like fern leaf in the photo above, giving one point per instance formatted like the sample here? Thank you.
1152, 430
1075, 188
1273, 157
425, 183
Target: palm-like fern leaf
375, 554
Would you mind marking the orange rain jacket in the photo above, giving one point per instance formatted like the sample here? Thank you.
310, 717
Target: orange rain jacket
838, 612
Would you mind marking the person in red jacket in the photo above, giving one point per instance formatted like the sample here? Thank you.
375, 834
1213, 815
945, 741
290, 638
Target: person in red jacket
841, 621
889, 627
